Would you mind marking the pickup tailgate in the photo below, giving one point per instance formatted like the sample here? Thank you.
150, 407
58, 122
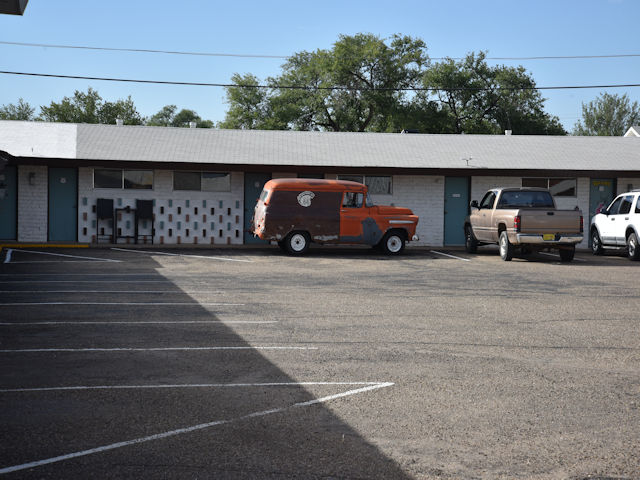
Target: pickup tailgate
549, 221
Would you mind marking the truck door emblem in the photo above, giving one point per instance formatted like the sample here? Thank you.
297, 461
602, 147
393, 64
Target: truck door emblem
304, 199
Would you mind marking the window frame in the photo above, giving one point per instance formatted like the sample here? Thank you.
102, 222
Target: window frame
122, 185
202, 188
350, 177
548, 180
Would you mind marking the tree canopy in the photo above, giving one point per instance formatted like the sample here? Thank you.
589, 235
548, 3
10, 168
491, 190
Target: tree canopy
608, 115
167, 117
20, 111
365, 83
89, 107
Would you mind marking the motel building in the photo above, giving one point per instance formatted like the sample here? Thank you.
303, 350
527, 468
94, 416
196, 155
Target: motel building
114, 184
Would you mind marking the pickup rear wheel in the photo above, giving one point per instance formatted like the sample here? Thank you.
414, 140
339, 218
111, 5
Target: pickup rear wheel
632, 247
596, 243
393, 243
297, 243
470, 242
506, 249
566, 254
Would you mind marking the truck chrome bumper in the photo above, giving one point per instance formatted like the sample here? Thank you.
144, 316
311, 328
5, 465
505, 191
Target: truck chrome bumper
525, 238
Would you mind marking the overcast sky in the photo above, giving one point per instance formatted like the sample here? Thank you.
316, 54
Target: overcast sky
280, 28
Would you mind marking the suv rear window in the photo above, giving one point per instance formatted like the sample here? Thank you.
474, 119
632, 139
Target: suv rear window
525, 199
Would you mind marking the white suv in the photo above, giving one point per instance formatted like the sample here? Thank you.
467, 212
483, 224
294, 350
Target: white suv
618, 226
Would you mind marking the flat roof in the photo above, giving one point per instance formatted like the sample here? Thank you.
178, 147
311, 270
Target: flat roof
276, 149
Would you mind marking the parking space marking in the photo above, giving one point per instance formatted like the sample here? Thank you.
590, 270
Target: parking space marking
225, 259
145, 322
154, 349
86, 281
7, 257
451, 256
188, 385
187, 292
193, 428
193, 304
558, 256
95, 259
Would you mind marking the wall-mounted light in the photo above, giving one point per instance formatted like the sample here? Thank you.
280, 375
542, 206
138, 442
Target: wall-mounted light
32, 178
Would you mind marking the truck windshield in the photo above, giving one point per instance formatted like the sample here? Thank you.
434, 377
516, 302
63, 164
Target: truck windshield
369, 202
524, 199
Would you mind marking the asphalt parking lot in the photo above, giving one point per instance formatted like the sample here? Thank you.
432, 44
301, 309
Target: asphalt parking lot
247, 363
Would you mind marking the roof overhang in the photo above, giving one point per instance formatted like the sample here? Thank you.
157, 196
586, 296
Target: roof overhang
13, 7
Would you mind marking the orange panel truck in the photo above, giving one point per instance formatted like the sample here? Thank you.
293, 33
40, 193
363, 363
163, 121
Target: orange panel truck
296, 211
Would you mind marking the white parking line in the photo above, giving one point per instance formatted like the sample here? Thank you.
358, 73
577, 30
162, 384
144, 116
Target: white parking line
188, 385
187, 292
558, 256
96, 259
193, 428
182, 255
193, 304
157, 349
7, 257
451, 256
145, 322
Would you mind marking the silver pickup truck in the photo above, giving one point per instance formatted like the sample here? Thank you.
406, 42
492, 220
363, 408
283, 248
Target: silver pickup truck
524, 219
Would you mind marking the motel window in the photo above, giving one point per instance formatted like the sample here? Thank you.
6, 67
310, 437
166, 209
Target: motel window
377, 185
559, 187
202, 181
128, 179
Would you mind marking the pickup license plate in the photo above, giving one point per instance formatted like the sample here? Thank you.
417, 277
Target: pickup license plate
548, 237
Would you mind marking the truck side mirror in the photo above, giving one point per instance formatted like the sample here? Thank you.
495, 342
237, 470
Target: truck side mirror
474, 204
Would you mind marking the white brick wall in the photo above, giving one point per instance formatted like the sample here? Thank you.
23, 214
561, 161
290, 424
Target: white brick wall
425, 196
183, 217
32, 204
624, 183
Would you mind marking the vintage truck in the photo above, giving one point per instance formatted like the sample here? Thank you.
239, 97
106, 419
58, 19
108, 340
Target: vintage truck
525, 219
295, 212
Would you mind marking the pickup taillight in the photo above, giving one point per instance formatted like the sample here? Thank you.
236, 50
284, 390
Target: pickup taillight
517, 223
581, 224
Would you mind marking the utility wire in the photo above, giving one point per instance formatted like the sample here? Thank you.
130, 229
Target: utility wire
248, 55
302, 87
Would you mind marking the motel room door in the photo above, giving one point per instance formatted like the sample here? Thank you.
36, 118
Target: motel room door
456, 208
63, 205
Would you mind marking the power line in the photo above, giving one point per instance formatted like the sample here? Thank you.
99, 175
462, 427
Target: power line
249, 55
302, 87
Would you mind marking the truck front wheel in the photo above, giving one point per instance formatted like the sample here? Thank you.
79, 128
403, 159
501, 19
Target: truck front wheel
506, 249
470, 242
297, 243
393, 243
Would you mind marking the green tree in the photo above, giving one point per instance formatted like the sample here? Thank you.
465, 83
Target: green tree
90, 108
478, 98
608, 115
20, 111
352, 87
167, 117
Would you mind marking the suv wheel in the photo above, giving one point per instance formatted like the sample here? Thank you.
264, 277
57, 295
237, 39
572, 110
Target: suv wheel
596, 243
632, 247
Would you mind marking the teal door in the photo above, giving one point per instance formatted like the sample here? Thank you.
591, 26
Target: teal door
601, 193
8, 203
253, 183
456, 208
63, 204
